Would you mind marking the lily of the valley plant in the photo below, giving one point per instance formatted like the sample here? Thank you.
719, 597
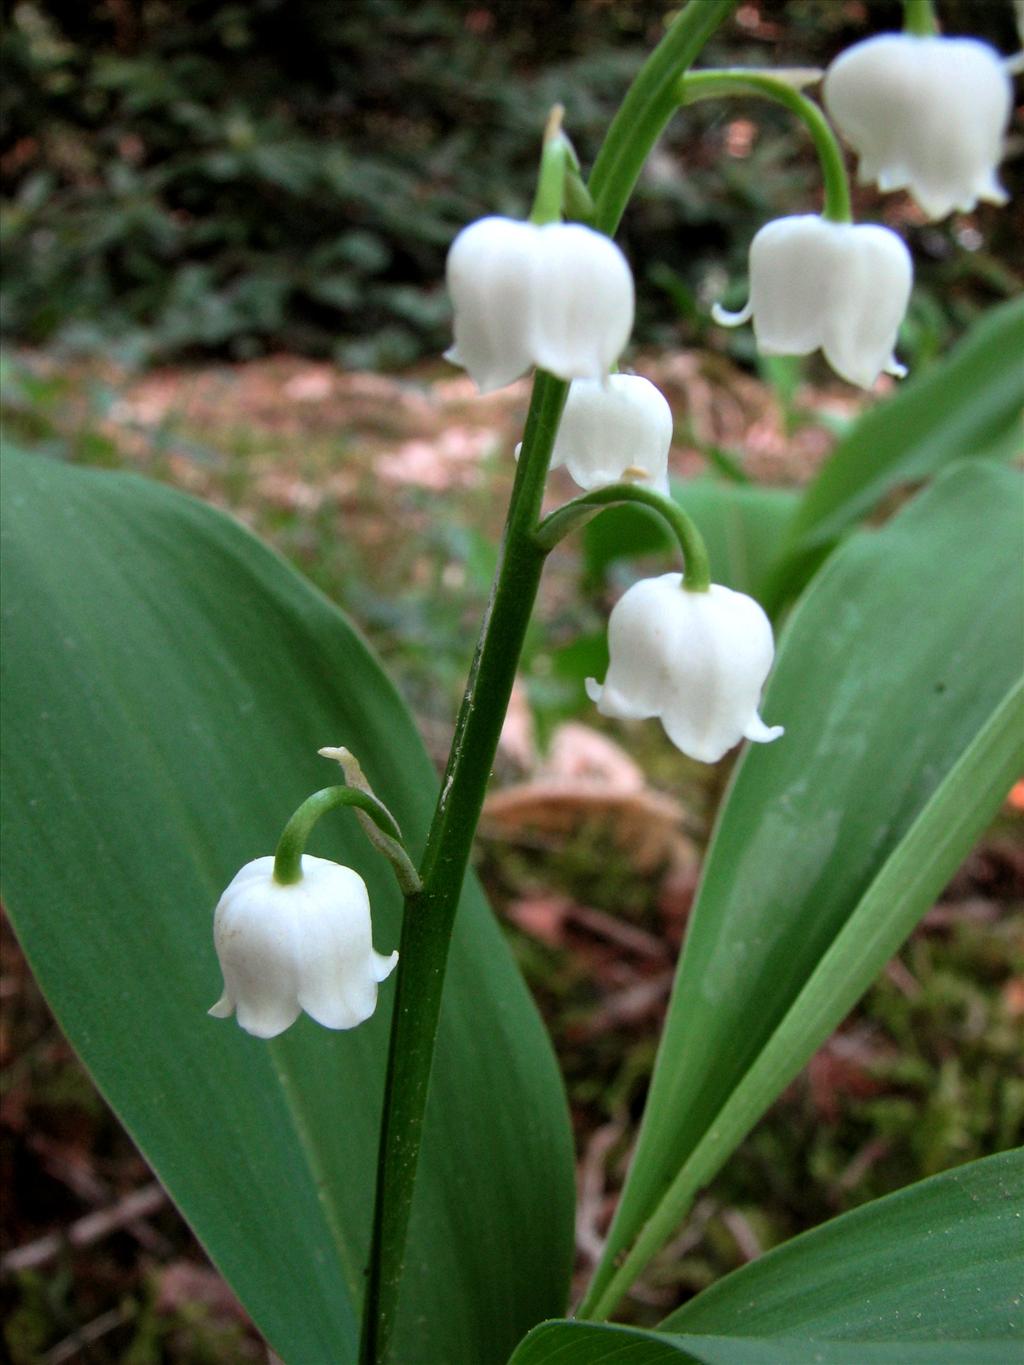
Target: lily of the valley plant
876, 755
558, 295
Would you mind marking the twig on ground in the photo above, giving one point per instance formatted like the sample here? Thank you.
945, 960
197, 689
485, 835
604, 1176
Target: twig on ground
743, 1234
627, 1006
92, 1228
592, 1191
71, 1346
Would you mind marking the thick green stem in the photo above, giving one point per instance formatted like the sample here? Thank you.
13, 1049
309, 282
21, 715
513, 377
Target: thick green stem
427, 926
919, 18
702, 85
430, 915
697, 576
292, 843
649, 104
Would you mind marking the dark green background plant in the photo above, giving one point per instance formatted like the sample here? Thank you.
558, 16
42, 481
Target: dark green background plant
234, 178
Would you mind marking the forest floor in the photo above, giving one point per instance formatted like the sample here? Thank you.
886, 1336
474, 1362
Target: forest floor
388, 492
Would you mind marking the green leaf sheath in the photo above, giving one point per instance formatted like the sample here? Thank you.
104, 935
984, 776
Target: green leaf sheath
825, 852
167, 681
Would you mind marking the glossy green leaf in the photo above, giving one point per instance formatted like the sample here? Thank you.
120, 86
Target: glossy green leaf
167, 683
927, 1276
941, 1259
587, 1343
741, 524
968, 406
899, 682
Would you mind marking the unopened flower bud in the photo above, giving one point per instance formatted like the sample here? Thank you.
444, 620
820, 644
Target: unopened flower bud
302, 946
840, 287
697, 660
489, 274
582, 302
927, 114
618, 430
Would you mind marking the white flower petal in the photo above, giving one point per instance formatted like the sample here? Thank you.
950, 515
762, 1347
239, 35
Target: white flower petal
696, 659
224, 1008
611, 431
927, 114
582, 302
617, 705
761, 733
489, 274
867, 302
337, 981
791, 266
383, 964
267, 1017
642, 634
306, 946
839, 287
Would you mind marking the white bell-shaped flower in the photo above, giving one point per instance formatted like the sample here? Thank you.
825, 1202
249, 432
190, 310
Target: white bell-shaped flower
840, 287
305, 946
621, 429
583, 302
489, 273
697, 660
927, 114
559, 296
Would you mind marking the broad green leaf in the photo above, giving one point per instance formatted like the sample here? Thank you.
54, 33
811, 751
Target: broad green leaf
588, 1343
167, 682
967, 406
899, 681
741, 524
927, 1276
941, 1259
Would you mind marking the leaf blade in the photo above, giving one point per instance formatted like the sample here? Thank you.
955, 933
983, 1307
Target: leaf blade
811, 823
189, 677
586, 1343
938, 1259
966, 406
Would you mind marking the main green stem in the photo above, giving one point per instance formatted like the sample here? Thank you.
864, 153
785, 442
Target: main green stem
430, 915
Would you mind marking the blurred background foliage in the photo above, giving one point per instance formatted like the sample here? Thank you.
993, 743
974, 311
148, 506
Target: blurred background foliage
189, 177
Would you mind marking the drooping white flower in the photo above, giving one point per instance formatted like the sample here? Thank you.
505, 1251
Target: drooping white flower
583, 302
559, 296
927, 114
489, 273
840, 287
305, 946
697, 660
618, 430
